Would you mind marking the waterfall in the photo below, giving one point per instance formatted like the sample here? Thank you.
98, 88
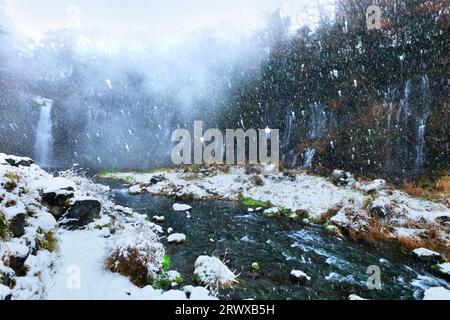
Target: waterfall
422, 119
308, 157
291, 122
43, 147
318, 122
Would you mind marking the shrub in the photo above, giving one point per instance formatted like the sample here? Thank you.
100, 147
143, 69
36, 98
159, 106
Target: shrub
46, 241
257, 181
4, 227
132, 265
136, 253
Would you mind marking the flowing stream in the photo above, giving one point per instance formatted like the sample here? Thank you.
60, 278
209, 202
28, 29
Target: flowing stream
337, 267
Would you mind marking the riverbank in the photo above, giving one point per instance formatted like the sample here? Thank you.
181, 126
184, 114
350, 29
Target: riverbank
368, 211
64, 238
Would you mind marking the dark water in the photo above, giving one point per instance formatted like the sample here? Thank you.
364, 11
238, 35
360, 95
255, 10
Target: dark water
337, 267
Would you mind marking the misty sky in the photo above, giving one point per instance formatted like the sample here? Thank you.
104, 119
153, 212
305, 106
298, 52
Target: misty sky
33, 17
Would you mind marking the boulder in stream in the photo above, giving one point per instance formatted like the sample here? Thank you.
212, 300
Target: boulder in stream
299, 277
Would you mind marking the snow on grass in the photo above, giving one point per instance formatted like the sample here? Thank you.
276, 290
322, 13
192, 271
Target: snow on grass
437, 293
62, 264
354, 204
181, 207
213, 273
423, 252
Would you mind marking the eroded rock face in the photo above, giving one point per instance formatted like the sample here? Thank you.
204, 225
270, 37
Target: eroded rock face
81, 213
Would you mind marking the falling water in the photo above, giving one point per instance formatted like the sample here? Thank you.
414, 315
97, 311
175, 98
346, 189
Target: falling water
44, 141
422, 118
309, 156
291, 122
317, 122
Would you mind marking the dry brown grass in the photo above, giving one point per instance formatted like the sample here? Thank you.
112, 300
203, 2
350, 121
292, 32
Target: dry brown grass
257, 181
434, 190
132, 266
372, 233
376, 231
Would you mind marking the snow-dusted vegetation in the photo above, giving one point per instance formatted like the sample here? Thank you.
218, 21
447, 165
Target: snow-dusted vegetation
113, 185
52, 227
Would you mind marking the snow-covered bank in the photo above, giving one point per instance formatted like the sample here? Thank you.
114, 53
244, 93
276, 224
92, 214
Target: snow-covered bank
365, 210
57, 233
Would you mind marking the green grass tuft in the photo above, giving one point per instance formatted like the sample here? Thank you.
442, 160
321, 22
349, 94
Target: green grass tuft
166, 263
249, 202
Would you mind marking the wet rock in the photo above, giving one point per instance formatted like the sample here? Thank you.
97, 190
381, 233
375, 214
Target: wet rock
299, 277
81, 213
17, 225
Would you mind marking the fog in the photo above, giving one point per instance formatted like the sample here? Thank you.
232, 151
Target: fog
120, 86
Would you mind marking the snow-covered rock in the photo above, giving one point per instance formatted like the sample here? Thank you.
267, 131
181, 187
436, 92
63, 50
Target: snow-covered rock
212, 272
271, 212
372, 187
135, 190
81, 213
158, 218
177, 238
181, 207
354, 297
426, 255
380, 207
298, 276
5, 292
437, 293
198, 293
443, 269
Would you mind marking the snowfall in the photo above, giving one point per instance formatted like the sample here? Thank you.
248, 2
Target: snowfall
75, 269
